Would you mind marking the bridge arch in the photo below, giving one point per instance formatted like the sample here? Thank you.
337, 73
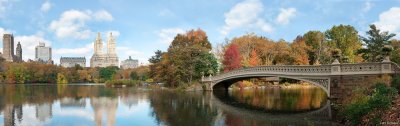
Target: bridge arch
224, 83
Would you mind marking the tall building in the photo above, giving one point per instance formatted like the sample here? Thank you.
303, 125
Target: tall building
72, 61
18, 56
8, 47
43, 53
99, 59
129, 63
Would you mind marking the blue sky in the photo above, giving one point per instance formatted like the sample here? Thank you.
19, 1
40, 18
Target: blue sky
143, 26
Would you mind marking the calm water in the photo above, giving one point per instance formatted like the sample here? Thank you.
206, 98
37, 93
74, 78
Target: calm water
98, 105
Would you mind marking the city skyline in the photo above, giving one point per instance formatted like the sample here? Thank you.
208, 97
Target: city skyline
143, 27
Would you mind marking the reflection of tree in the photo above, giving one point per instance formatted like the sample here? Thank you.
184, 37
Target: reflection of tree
281, 99
182, 109
106, 105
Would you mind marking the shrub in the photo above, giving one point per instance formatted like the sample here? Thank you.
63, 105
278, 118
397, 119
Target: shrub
381, 99
396, 82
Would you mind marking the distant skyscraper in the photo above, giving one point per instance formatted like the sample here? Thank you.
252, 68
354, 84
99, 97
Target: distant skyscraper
129, 63
43, 53
103, 60
8, 49
72, 61
18, 56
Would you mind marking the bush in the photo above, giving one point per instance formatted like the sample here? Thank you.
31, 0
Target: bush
396, 82
122, 82
380, 99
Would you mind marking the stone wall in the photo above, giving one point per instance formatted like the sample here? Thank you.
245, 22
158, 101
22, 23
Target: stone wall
342, 86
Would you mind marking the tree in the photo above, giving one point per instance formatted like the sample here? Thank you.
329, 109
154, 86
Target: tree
314, 40
298, 52
374, 44
107, 73
345, 38
61, 79
395, 56
187, 57
231, 58
157, 57
254, 60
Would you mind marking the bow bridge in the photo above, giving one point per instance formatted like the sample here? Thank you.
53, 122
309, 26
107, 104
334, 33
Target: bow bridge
335, 79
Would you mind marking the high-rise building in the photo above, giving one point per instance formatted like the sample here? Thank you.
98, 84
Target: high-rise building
8, 49
18, 56
43, 53
72, 61
103, 60
129, 63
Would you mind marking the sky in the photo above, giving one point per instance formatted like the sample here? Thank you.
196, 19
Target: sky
144, 26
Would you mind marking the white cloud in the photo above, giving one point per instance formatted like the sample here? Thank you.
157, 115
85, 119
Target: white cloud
167, 35
87, 49
103, 15
45, 6
285, 15
245, 14
28, 43
389, 20
367, 6
3, 31
72, 23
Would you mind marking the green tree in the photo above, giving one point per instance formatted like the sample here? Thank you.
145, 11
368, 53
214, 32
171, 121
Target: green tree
107, 73
374, 43
345, 38
314, 40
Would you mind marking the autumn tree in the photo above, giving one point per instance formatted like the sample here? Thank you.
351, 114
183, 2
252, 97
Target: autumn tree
374, 43
232, 58
298, 52
254, 60
188, 56
345, 38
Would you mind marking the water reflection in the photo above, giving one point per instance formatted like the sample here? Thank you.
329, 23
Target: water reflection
98, 105
277, 99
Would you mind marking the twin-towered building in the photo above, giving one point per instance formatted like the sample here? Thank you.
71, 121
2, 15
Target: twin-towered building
100, 59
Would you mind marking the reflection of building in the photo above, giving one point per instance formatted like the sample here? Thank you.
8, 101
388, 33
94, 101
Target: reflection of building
43, 53
103, 60
9, 112
105, 105
8, 49
129, 63
72, 102
130, 100
43, 111
72, 61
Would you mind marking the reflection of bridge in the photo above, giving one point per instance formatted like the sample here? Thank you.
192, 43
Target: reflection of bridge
333, 79
321, 116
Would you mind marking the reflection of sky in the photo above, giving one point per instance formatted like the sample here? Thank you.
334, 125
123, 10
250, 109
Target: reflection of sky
1, 119
136, 115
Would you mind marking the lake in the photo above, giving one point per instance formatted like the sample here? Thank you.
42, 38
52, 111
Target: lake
72, 105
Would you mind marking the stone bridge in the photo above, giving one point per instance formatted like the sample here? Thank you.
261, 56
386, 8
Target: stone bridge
335, 79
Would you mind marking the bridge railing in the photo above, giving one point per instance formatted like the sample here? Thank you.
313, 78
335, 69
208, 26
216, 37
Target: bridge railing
312, 70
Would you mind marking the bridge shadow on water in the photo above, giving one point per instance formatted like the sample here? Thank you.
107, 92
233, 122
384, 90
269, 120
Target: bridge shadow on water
320, 116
